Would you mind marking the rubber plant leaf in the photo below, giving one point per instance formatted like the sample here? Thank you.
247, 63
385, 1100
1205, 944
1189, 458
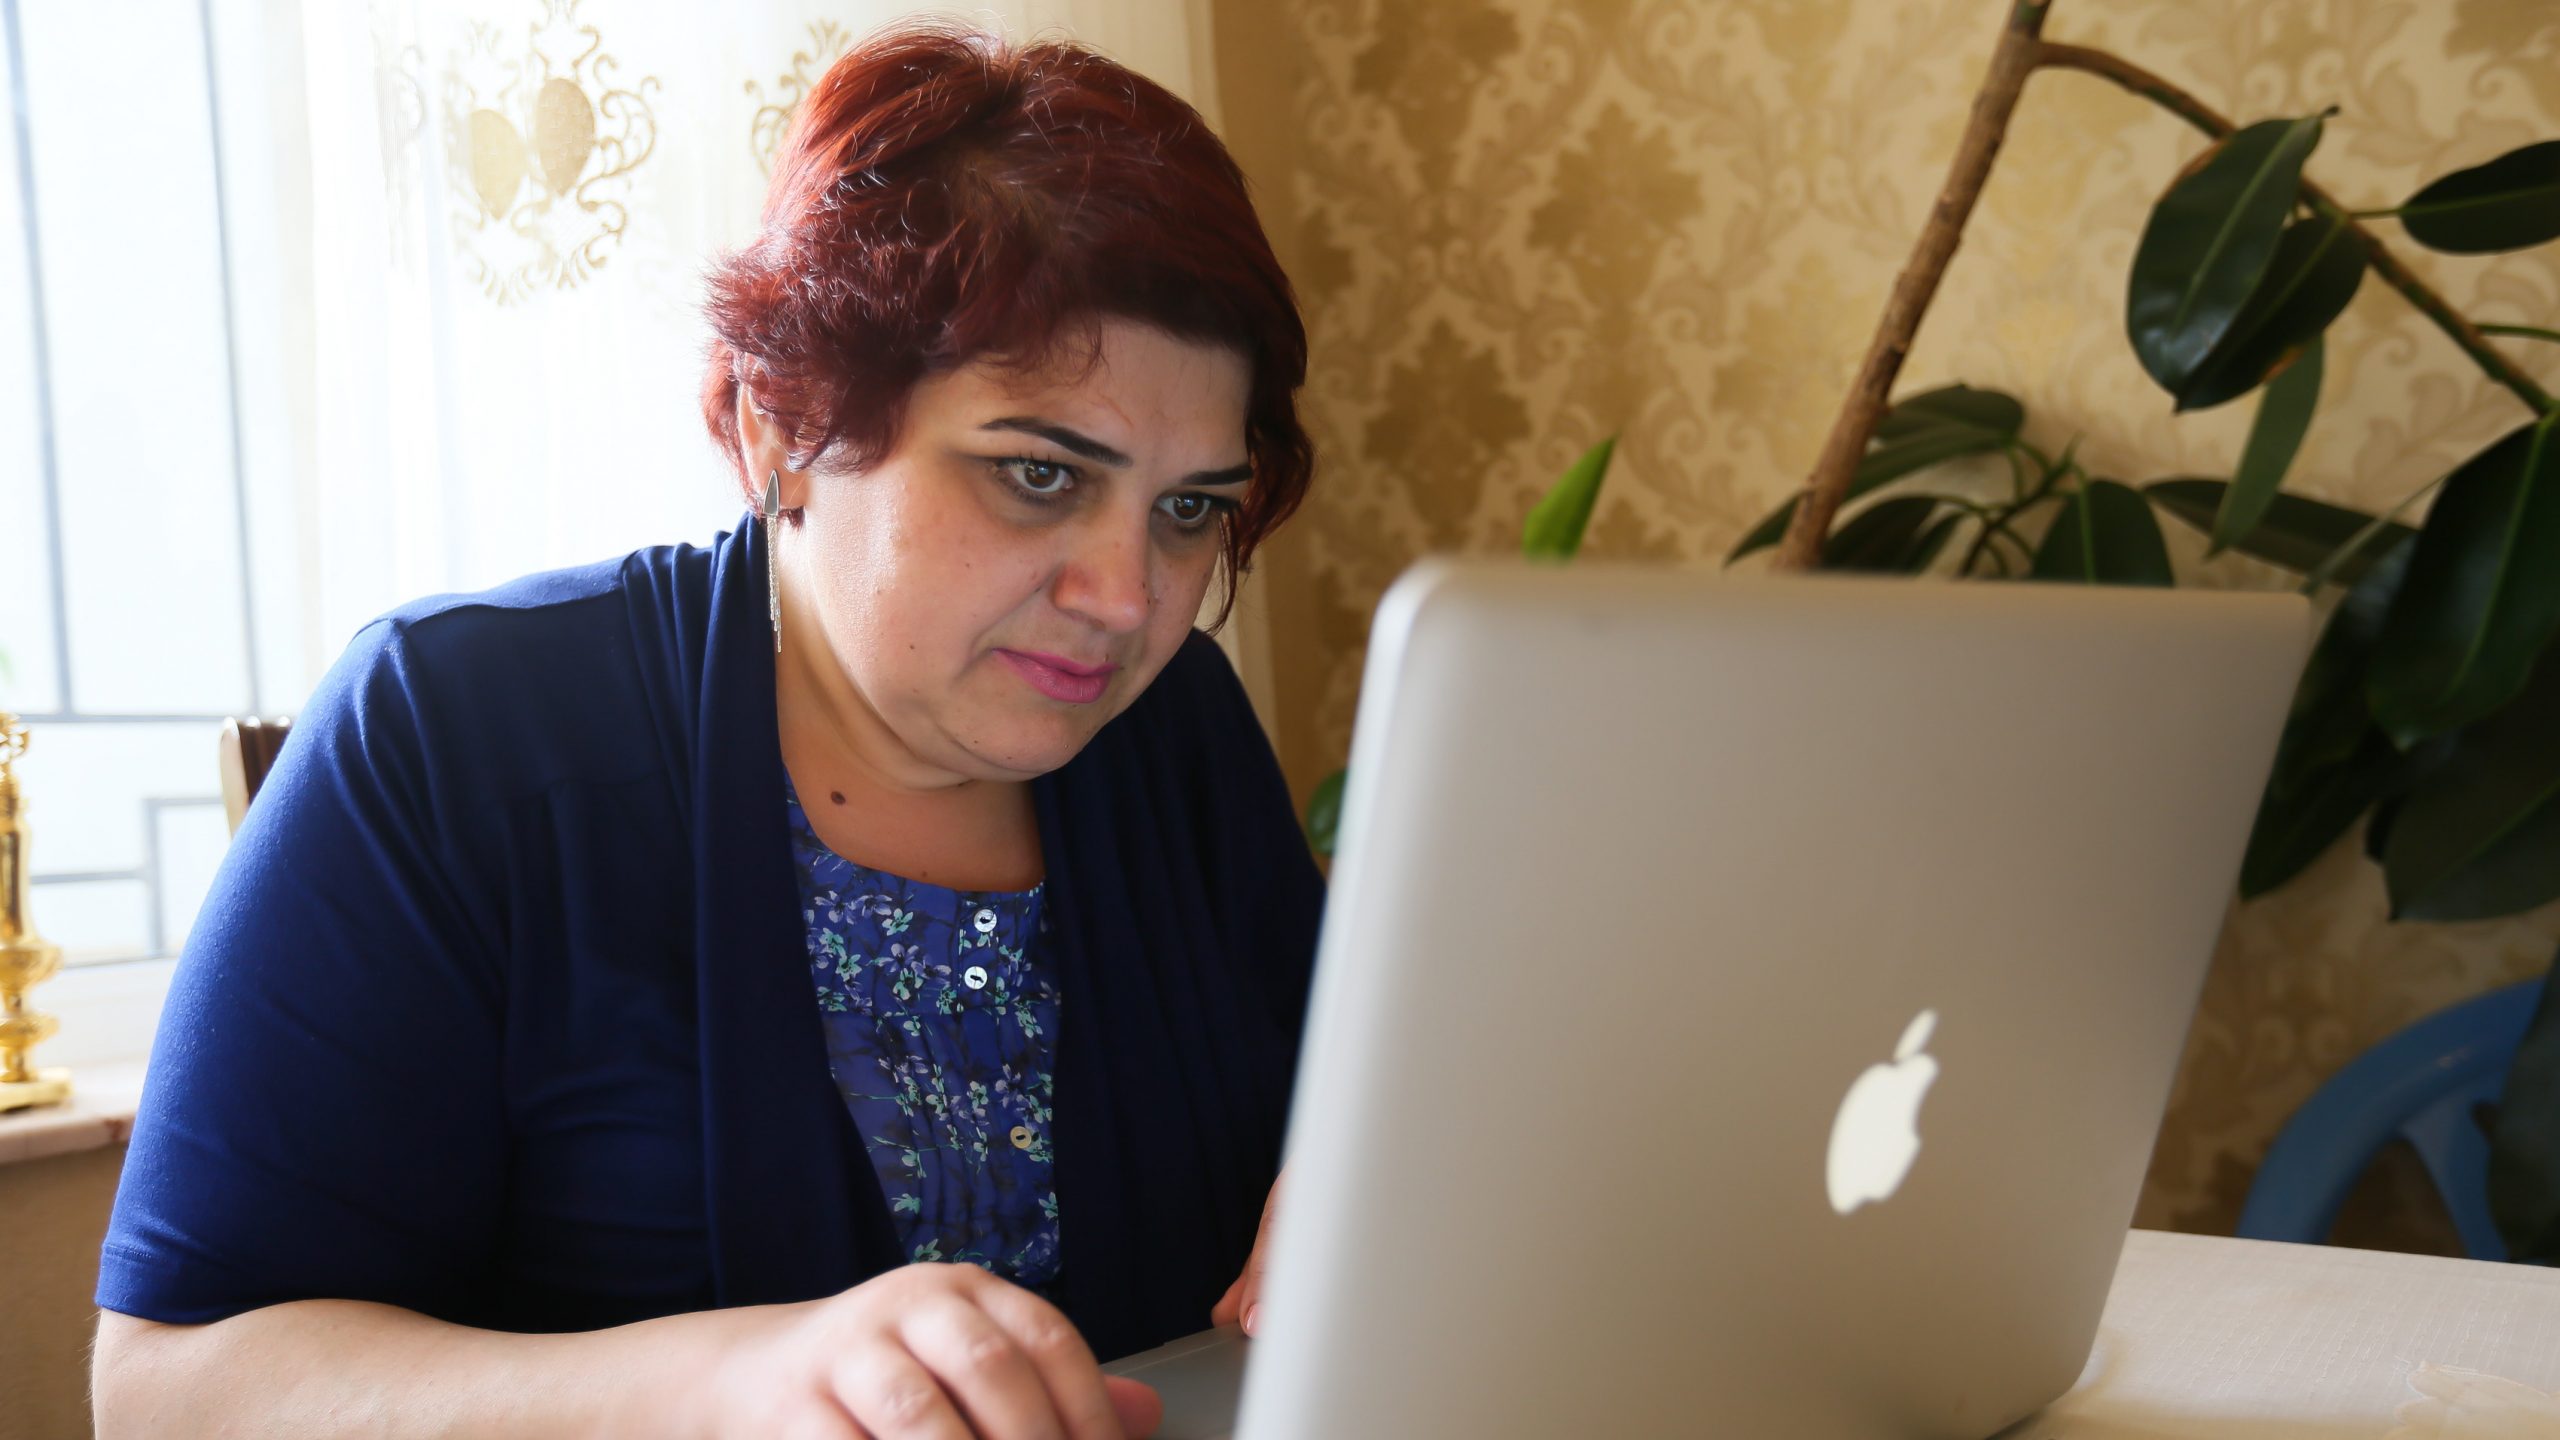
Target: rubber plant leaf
2208, 242
2319, 264
1881, 536
2332, 761
2479, 836
2105, 534
2483, 595
2297, 533
2506, 204
2284, 416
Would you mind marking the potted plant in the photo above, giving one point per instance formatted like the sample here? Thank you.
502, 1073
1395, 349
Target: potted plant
2432, 701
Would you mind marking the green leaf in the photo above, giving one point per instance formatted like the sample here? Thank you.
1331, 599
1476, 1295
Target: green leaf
1324, 812
2207, 243
2524, 1146
2295, 532
2483, 596
1917, 450
1555, 525
1880, 537
2318, 264
2284, 413
2332, 761
2377, 831
2479, 836
1953, 407
2506, 204
2330, 714
1924, 551
1771, 529
2104, 535
2296, 828
2516, 873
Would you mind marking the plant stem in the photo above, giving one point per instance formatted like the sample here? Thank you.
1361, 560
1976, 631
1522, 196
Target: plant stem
2522, 332
2017, 473
2004, 526
1996, 518
2011, 63
1981, 544
2026, 552
2364, 536
2204, 117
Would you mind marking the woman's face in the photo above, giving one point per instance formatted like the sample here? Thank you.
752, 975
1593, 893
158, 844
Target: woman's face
1024, 562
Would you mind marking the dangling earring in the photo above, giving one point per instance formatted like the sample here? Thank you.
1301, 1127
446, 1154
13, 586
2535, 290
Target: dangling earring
772, 557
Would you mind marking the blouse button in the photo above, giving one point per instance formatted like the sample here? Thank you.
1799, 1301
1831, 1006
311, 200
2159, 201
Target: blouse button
975, 977
986, 922
1021, 1137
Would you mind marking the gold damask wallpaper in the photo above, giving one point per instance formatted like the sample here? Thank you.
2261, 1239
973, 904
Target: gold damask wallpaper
1519, 225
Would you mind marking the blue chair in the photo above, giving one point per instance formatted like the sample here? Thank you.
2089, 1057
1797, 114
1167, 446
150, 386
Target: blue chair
2423, 1085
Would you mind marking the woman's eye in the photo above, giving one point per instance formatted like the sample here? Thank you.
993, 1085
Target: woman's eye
1038, 477
1194, 512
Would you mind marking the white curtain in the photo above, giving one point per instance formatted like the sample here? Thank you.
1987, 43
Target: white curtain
420, 289
510, 206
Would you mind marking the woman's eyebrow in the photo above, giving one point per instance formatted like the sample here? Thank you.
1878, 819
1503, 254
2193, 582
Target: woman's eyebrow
1086, 447
1073, 442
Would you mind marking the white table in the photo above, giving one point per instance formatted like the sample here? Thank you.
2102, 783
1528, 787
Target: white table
2214, 1339
2242, 1340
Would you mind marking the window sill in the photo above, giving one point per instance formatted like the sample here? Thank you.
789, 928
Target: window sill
108, 1013
99, 1113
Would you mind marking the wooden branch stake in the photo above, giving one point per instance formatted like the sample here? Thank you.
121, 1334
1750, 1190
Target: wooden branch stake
2011, 64
2021, 52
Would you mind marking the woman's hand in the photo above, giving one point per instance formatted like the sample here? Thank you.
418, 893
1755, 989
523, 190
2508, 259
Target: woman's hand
924, 1352
1244, 1298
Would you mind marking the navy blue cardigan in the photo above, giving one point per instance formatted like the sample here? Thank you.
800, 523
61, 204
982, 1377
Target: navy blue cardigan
499, 1011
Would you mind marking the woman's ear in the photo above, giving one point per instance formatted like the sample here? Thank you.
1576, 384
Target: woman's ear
762, 451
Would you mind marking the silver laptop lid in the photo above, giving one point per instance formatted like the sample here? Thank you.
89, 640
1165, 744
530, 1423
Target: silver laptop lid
1641, 873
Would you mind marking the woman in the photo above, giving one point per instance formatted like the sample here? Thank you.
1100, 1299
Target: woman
634, 978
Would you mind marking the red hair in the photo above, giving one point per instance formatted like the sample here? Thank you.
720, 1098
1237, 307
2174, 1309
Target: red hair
944, 197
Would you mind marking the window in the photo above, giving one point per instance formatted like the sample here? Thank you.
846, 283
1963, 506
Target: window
135, 459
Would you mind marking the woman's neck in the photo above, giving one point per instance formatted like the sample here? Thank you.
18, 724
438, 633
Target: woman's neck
874, 802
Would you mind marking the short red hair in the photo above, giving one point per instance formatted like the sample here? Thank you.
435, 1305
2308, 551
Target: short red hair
944, 196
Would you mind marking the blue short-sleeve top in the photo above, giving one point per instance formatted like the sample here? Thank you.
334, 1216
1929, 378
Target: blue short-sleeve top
500, 1009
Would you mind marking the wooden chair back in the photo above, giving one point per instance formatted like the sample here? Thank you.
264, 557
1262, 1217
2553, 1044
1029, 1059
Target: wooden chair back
248, 751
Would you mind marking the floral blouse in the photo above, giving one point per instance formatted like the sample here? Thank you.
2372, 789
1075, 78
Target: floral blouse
940, 1022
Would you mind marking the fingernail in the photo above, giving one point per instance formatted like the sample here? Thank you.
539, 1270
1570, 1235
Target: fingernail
1250, 1311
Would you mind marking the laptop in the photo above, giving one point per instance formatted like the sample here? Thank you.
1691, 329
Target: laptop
1745, 1006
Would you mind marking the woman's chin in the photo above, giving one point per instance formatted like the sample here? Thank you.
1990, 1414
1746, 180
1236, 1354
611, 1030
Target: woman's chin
1024, 746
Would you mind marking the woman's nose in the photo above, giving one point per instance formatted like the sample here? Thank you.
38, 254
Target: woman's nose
1106, 579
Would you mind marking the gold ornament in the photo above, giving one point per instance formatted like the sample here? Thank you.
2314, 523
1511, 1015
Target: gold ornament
25, 959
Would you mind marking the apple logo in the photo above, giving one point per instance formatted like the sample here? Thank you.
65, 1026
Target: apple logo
1877, 1134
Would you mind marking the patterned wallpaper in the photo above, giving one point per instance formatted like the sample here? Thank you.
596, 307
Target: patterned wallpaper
1522, 224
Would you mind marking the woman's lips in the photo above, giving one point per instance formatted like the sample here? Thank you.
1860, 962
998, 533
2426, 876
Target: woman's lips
1058, 677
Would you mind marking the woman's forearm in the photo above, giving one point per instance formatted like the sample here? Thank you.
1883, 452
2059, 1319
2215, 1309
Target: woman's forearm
345, 1367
